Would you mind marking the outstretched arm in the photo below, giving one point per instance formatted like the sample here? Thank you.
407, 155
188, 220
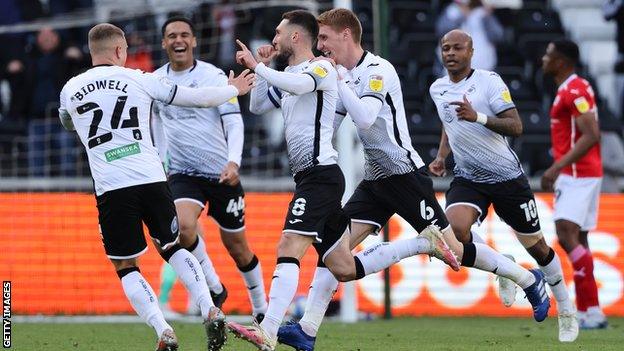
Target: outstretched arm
362, 110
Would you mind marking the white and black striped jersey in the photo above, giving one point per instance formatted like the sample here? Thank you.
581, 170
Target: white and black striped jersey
481, 155
308, 117
387, 143
196, 139
110, 107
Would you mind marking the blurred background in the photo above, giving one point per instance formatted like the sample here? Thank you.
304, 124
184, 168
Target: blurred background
47, 211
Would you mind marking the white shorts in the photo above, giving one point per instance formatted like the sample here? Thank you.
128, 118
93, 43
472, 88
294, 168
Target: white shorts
576, 200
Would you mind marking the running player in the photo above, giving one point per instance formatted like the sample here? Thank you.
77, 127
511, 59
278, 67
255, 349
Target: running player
395, 177
576, 173
306, 92
203, 150
477, 112
109, 107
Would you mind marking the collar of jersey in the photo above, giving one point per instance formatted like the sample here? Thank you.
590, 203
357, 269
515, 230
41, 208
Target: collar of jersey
102, 65
472, 71
295, 68
568, 80
185, 71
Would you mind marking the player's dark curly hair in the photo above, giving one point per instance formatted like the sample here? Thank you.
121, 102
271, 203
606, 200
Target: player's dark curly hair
177, 19
304, 19
568, 49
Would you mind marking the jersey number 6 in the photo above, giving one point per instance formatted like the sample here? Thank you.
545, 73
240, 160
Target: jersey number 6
132, 122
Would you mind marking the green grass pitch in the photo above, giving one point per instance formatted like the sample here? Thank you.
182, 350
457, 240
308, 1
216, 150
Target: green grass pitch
475, 333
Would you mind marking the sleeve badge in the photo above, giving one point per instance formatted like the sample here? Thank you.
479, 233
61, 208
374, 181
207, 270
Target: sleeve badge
375, 83
319, 71
581, 104
506, 95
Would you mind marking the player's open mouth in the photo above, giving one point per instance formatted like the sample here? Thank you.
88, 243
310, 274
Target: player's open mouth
326, 53
179, 49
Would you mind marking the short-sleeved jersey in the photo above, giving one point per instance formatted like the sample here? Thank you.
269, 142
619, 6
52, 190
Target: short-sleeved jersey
196, 139
387, 143
574, 97
110, 109
481, 155
309, 117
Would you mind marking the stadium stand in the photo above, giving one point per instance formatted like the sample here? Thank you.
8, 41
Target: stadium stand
412, 42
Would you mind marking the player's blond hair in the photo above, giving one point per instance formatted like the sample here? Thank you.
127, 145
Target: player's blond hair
101, 34
340, 19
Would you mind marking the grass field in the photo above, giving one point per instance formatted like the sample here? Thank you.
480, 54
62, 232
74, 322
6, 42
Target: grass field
398, 334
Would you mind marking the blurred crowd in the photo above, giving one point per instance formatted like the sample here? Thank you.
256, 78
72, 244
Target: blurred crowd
35, 65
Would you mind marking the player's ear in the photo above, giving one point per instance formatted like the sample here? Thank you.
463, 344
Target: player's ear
162, 43
346, 33
194, 42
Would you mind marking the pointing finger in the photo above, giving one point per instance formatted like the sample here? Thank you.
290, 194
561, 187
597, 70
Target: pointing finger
242, 46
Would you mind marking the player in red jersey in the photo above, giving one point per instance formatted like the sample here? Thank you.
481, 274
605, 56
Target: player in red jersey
576, 173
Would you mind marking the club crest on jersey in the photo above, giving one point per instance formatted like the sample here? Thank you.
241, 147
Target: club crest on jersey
375, 83
471, 90
448, 113
174, 225
581, 104
319, 71
506, 95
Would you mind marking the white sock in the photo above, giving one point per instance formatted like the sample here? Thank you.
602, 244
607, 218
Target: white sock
211, 276
490, 260
476, 238
186, 267
554, 277
322, 289
283, 290
144, 301
384, 255
255, 287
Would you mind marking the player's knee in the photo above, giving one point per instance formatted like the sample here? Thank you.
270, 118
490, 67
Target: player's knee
461, 233
342, 273
188, 228
124, 264
240, 254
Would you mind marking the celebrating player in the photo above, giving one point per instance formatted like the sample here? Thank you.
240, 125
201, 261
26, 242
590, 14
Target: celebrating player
395, 179
306, 92
109, 107
203, 150
576, 173
477, 112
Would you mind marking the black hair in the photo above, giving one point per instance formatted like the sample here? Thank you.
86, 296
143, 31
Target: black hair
178, 19
567, 49
304, 19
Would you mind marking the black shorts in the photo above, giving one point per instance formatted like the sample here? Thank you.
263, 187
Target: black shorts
226, 204
123, 211
513, 201
315, 209
409, 195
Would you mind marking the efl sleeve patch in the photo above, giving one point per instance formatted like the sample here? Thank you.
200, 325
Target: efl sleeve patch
319, 71
233, 100
581, 104
506, 95
375, 83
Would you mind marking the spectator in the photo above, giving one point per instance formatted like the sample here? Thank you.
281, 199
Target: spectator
613, 10
139, 55
612, 149
47, 68
477, 19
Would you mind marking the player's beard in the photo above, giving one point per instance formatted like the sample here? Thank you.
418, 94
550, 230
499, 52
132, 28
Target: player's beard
284, 55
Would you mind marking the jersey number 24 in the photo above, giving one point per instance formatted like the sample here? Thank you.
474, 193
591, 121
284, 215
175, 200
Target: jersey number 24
132, 122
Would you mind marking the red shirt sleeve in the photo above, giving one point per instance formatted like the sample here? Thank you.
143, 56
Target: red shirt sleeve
579, 99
